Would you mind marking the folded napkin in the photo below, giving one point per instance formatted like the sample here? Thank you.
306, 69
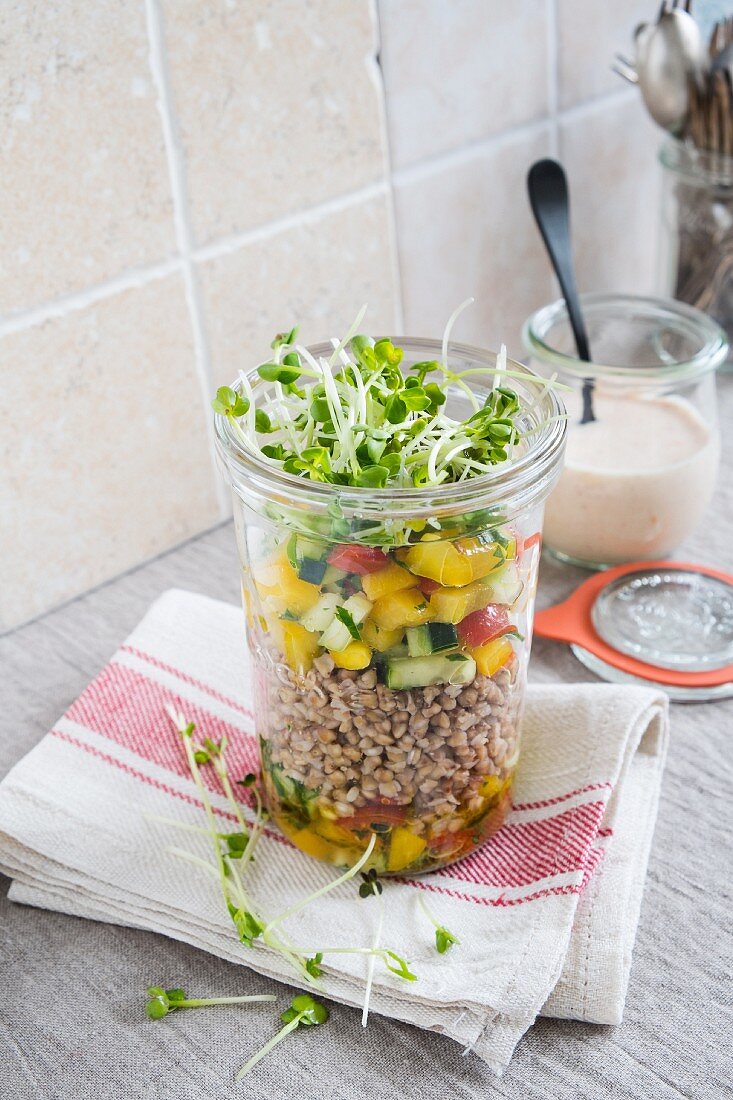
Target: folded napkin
546, 911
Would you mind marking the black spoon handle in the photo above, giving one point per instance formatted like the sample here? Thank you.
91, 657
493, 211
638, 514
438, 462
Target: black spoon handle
548, 196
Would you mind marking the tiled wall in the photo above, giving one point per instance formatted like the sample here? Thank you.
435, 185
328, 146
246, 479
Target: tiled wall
180, 179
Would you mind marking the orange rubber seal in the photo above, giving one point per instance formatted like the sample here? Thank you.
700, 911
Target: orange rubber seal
570, 622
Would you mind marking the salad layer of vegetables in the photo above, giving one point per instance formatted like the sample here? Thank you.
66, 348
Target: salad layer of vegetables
389, 693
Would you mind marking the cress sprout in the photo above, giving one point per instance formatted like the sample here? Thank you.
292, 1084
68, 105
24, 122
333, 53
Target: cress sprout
361, 418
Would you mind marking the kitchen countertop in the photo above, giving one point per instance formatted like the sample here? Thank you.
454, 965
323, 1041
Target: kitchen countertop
71, 1013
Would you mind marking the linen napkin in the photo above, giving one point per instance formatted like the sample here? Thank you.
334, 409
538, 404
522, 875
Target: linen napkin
546, 911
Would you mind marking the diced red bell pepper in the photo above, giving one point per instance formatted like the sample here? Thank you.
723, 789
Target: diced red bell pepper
529, 542
427, 586
358, 559
483, 626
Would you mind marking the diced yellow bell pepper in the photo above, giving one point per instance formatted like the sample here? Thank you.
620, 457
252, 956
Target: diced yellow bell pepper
438, 561
390, 579
454, 564
401, 609
356, 655
313, 844
300, 645
451, 605
492, 656
335, 833
483, 557
404, 848
378, 638
492, 786
279, 584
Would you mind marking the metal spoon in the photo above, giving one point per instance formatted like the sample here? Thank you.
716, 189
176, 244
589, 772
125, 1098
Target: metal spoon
548, 197
668, 54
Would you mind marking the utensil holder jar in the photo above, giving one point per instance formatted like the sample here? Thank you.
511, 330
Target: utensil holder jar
408, 726
695, 248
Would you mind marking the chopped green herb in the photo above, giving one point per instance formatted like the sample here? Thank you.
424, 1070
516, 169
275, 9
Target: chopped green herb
347, 619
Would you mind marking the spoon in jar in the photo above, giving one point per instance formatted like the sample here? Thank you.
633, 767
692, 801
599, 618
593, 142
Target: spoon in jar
548, 197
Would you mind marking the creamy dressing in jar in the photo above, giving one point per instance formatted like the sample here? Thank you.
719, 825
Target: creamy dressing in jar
636, 480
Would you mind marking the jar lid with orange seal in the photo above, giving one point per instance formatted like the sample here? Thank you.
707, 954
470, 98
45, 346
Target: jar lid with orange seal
666, 623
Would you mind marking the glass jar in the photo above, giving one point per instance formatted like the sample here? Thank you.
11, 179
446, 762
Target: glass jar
638, 478
411, 730
695, 254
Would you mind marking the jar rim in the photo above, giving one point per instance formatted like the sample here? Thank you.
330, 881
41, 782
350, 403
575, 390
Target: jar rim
702, 167
530, 475
711, 354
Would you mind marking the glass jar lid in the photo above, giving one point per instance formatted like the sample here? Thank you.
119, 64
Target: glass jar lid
651, 341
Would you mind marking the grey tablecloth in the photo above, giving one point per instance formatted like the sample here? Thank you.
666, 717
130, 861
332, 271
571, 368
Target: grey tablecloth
71, 1019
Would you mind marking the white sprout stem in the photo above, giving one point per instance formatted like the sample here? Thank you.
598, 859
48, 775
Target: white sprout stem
500, 367
370, 963
267, 1048
180, 722
353, 329
293, 909
448, 328
175, 823
203, 1002
197, 861
427, 912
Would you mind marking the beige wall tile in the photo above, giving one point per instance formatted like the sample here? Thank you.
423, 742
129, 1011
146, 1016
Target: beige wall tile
84, 189
317, 275
589, 34
104, 459
465, 229
460, 71
610, 154
278, 106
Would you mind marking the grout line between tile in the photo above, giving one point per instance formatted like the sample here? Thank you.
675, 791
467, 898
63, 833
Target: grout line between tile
553, 77
424, 168
310, 214
70, 303
184, 237
377, 74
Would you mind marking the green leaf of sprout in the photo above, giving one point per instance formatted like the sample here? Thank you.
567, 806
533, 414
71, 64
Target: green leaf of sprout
313, 966
229, 403
444, 939
373, 477
278, 372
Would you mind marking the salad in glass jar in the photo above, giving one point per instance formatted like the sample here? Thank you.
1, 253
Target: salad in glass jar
388, 505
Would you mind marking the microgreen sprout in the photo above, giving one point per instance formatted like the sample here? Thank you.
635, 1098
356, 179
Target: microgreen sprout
303, 1012
313, 966
229, 403
444, 939
232, 854
365, 418
161, 1001
370, 886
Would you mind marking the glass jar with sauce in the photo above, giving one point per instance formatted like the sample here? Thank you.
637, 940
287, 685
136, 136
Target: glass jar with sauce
640, 475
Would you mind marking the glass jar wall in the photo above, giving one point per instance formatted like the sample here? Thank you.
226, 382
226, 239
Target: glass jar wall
390, 632
639, 475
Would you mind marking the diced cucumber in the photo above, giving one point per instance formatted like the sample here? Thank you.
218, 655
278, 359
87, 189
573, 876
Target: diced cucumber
431, 638
333, 577
300, 549
507, 587
403, 673
337, 635
311, 570
320, 617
